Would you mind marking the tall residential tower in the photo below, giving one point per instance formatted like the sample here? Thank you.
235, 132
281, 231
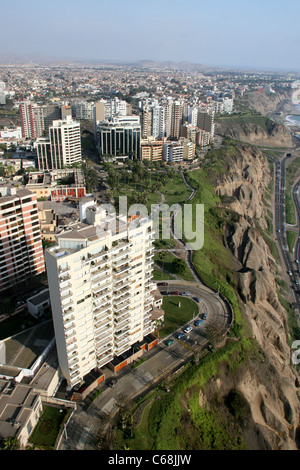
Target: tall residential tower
101, 290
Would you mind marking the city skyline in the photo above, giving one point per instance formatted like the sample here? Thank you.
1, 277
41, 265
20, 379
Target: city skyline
256, 35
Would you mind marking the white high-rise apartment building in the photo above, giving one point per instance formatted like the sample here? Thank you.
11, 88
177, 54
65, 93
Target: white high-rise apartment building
63, 146
101, 290
158, 121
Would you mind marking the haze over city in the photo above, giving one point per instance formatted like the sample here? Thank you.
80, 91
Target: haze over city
252, 35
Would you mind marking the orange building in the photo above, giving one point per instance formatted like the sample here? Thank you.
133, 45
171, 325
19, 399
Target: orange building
151, 149
21, 250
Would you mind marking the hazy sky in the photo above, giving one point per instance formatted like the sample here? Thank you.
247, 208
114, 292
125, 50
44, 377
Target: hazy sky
234, 33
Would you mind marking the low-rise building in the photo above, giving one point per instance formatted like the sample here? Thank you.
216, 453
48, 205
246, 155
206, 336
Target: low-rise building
20, 409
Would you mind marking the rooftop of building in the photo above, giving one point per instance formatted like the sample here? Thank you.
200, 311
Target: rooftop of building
16, 403
23, 349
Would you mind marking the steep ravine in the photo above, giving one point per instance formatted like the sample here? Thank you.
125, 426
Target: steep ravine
270, 386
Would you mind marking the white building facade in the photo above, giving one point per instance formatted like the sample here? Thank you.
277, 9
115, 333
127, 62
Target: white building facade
100, 283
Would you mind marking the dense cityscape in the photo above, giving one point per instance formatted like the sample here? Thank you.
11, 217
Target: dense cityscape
87, 294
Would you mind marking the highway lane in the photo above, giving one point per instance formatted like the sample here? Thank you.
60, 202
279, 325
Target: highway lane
280, 226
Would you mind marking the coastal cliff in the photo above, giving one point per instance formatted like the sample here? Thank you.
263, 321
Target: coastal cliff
257, 130
270, 385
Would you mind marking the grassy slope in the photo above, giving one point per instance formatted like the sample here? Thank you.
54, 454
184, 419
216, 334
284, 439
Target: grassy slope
170, 425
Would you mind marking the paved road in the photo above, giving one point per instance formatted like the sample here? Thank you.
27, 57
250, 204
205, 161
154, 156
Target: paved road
291, 266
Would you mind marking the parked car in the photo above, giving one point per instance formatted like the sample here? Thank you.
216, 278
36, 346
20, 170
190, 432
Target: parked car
197, 299
185, 293
179, 335
187, 329
112, 382
198, 322
176, 293
169, 342
203, 316
162, 283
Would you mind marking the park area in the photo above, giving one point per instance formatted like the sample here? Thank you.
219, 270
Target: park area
178, 311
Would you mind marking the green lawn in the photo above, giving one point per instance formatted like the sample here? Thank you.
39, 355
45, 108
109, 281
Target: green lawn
291, 237
169, 264
176, 316
47, 429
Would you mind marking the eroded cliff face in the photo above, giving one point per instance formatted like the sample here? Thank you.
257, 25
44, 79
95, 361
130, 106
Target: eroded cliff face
280, 101
268, 133
270, 388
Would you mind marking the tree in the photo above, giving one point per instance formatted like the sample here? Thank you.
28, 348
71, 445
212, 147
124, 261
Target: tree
178, 265
213, 332
11, 443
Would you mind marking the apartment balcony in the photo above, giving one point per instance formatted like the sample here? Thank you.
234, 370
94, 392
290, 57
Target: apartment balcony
72, 353
104, 349
122, 341
103, 309
121, 349
104, 329
70, 334
69, 326
75, 376
66, 295
122, 301
100, 302
65, 288
147, 316
150, 286
122, 321
68, 317
151, 233
119, 256
100, 264
124, 264
101, 292
120, 276
121, 246
104, 359
107, 320
64, 277
149, 247
67, 305
71, 344
101, 254
148, 302
99, 274
73, 362
122, 291
122, 314
119, 288
63, 270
